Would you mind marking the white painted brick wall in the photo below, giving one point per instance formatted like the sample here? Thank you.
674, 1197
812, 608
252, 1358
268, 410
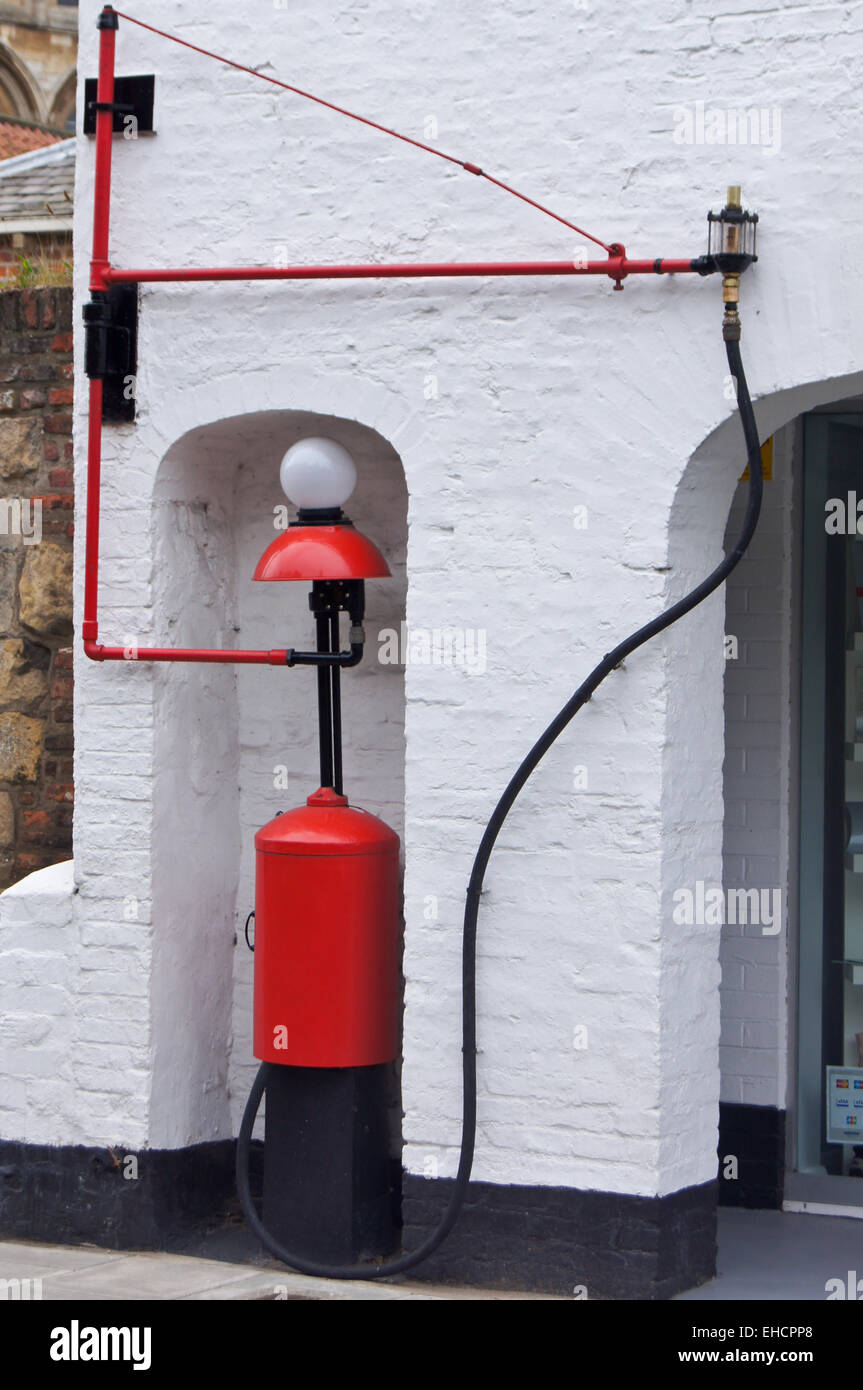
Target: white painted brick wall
758, 696
552, 394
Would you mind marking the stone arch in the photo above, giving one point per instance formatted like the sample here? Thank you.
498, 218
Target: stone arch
19, 91
235, 745
61, 113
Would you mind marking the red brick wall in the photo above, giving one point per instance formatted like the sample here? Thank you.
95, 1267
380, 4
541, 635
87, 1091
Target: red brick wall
53, 252
36, 791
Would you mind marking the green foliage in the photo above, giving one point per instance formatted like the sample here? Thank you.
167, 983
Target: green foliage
33, 274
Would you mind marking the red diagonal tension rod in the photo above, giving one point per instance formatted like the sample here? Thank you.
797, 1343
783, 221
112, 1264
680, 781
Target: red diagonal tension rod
103, 275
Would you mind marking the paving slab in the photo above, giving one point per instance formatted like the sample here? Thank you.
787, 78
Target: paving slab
86, 1274
779, 1256
764, 1256
30, 1259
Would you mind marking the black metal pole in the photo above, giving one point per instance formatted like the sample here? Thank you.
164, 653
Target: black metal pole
325, 702
336, 701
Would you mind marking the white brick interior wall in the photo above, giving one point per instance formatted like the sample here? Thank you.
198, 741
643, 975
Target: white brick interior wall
756, 849
547, 395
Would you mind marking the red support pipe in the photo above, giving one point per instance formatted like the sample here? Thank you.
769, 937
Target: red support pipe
211, 655
98, 265
104, 137
100, 281
103, 276
616, 267
90, 625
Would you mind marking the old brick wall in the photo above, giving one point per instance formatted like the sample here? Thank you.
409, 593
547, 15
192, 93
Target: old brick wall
36, 529
42, 250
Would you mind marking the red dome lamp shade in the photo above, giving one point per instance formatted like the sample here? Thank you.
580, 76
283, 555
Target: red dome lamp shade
322, 552
319, 475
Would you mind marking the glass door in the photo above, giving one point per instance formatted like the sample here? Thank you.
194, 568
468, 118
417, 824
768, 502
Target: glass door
830, 1026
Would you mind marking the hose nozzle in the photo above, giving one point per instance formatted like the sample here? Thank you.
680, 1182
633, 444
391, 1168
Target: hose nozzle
731, 301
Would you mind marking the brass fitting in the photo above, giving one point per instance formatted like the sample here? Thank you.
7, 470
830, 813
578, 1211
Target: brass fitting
731, 323
731, 283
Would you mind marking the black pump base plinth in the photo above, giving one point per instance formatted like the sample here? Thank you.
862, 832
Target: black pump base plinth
329, 1184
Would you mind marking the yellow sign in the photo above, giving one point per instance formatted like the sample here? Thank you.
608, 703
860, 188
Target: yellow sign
766, 463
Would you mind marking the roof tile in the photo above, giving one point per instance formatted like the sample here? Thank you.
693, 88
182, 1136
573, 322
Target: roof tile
38, 184
19, 139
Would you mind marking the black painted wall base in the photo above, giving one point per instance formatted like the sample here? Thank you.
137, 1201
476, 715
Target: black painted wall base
754, 1135
605, 1245
545, 1240
165, 1200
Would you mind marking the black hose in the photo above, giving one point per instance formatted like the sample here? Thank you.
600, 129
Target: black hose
612, 659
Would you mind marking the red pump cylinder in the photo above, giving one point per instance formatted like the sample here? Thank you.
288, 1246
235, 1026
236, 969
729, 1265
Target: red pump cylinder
326, 937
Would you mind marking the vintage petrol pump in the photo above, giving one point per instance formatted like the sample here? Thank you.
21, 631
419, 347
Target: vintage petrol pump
327, 916
327, 895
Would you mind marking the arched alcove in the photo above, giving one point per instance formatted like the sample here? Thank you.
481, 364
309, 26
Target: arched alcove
696, 810
234, 745
696, 533
695, 647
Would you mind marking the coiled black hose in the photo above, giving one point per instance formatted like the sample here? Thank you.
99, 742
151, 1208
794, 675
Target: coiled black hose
612, 659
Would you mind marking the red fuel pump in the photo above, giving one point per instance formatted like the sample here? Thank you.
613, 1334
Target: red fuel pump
327, 920
326, 937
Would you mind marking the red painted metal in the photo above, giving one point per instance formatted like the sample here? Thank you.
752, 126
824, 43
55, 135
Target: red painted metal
99, 282
285, 558
321, 552
616, 267
90, 626
98, 265
212, 655
326, 937
102, 172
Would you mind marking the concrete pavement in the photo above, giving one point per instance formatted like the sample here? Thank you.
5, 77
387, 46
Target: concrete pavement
85, 1274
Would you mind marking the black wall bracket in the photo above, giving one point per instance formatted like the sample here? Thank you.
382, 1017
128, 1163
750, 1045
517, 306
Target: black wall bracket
111, 349
133, 96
